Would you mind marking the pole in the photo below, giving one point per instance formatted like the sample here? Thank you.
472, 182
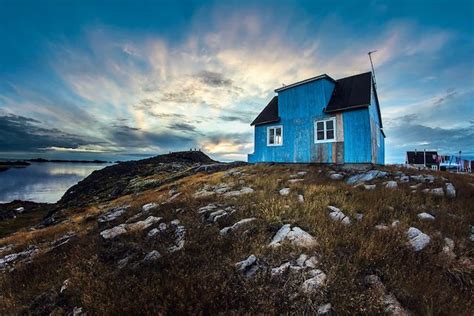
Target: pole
372, 65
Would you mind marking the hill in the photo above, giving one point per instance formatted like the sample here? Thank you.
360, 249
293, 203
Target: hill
182, 234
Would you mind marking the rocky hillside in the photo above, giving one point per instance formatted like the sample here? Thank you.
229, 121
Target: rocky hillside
187, 235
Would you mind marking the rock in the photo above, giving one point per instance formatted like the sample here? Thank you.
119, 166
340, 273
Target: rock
248, 266
392, 306
203, 194
77, 311
301, 238
370, 186
152, 256
64, 286
293, 181
276, 272
141, 225
180, 233
415, 186
148, 207
112, 214
395, 223
153, 232
417, 238
295, 235
404, 179
317, 281
10, 259
448, 248
312, 262
280, 235
300, 198
125, 228
391, 185
302, 173
245, 190
381, 227
471, 236
114, 231
207, 208
426, 216
224, 231
284, 191
359, 216
337, 215
222, 188
20, 209
213, 215
336, 176
324, 309
366, 177
301, 259
162, 227
437, 191
450, 190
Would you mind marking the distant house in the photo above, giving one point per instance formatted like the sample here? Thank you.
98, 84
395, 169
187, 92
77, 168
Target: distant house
322, 120
423, 158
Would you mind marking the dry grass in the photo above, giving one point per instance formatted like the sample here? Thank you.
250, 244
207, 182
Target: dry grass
201, 277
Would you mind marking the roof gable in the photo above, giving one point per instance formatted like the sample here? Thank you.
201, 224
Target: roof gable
269, 114
351, 92
323, 76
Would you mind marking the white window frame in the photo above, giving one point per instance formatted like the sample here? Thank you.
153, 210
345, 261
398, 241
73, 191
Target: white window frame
268, 135
325, 140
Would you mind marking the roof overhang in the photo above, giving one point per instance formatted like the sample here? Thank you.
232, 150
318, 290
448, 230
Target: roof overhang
265, 122
352, 107
323, 76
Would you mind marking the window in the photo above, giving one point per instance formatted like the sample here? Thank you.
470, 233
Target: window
275, 136
325, 131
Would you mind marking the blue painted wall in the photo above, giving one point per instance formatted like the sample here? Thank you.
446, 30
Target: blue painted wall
299, 107
379, 151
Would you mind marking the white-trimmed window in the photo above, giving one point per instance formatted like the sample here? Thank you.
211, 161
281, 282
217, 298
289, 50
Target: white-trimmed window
275, 135
325, 130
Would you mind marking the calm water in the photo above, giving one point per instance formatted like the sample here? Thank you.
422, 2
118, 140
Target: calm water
42, 182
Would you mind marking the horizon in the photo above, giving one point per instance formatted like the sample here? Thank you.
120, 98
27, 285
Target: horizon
138, 79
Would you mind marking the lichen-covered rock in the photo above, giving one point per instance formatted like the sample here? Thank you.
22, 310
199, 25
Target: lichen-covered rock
317, 281
148, 207
336, 176
248, 266
418, 240
226, 230
391, 185
125, 228
366, 177
426, 216
297, 236
112, 214
276, 272
450, 190
337, 215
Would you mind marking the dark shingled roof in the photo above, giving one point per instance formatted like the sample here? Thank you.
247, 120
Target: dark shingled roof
417, 157
269, 113
351, 92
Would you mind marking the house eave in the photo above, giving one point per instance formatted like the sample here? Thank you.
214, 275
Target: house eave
265, 122
304, 81
352, 107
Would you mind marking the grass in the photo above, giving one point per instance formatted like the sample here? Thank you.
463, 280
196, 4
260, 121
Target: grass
201, 278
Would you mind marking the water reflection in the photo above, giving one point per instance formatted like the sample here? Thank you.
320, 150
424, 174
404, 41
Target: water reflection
43, 182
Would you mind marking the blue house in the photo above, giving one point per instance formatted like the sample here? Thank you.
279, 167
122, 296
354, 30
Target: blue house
322, 120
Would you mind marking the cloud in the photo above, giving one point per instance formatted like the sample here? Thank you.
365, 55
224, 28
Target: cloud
19, 133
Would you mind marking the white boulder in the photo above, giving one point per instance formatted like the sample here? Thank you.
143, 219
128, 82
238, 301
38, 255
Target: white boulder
317, 281
391, 185
336, 176
417, 239
224, 231
450, 190
284, 191
426, 216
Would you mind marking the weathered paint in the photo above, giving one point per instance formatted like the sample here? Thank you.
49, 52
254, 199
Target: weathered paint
299, 108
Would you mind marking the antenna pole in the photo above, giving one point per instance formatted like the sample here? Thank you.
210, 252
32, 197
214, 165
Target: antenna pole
372, 65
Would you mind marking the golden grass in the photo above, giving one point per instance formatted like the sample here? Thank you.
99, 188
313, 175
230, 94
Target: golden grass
201, 277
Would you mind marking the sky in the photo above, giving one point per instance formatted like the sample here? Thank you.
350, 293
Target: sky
120, 80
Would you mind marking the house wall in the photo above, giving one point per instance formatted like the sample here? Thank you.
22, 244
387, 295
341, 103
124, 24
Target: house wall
357, 142
299, 107
378, 150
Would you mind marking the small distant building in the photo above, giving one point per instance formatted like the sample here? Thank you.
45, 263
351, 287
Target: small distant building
428, 159
322, 120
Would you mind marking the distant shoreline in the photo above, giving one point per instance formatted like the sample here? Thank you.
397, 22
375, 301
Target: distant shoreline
23, 163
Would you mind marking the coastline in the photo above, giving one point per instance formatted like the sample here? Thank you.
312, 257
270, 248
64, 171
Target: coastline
6, 164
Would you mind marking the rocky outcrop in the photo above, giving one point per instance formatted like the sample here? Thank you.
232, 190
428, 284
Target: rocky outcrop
295, 236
